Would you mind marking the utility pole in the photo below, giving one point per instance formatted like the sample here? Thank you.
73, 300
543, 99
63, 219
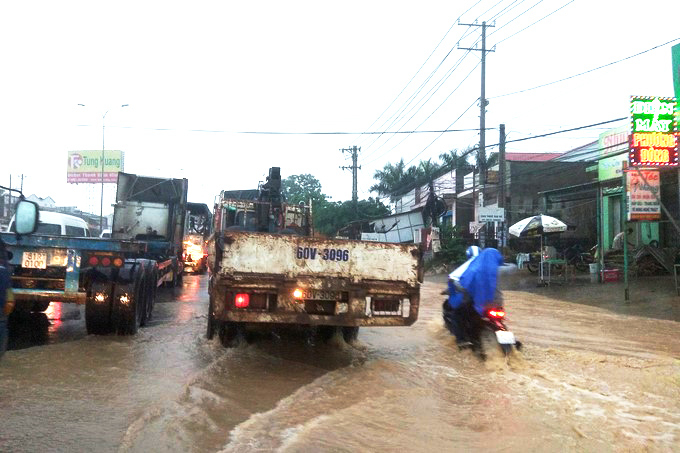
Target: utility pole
501, 181
355, 156
482, 100
482, 112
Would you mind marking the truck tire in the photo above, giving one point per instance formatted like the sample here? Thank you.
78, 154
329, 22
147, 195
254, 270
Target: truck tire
128, 302
98, 313
350, 334
149, 292
230, 333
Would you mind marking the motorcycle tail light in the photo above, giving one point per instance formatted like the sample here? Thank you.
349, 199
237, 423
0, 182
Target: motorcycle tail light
496, 313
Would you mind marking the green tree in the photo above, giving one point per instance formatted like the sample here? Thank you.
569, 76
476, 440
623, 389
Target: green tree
453, 248
391, 179
454, 159
305, 187
331, 217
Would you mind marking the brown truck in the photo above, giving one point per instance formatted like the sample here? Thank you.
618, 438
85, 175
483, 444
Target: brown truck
268, 269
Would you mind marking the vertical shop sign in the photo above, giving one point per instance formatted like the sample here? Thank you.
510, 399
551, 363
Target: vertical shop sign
675, 51
653, 142
642, 186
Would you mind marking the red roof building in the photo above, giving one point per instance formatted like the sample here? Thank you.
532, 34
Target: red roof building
531, 157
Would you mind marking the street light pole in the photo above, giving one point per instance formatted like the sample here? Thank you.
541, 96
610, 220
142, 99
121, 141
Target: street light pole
101, 201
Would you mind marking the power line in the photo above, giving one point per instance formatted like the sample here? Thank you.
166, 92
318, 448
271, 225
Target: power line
436, 88
516, 17
588, 71
410, 99
534, 23
428, 117
287, 133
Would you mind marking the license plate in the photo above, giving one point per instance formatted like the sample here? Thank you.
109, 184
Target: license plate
505, 337
312, 294
34, 260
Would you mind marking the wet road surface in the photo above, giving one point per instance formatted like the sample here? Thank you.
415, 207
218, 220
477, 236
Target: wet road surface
594, 375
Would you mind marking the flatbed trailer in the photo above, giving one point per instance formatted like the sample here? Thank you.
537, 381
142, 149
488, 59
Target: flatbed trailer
117, 278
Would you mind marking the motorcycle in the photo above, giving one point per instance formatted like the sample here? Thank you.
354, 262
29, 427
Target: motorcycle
576, 257
483, 331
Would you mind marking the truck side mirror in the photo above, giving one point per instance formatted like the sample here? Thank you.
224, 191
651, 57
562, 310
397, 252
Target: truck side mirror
26, 217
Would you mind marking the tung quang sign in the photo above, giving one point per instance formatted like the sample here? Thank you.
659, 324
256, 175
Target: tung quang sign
86, 166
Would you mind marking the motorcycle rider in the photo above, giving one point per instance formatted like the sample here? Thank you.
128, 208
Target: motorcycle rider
472, 287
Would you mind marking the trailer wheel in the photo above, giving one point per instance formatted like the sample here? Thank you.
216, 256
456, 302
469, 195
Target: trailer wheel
350, 334
149, 292
128, 303
230, 333
98, 308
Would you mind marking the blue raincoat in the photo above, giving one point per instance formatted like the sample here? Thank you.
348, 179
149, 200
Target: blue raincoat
477, 279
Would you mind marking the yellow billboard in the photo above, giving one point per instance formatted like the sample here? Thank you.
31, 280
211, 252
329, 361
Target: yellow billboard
86, 166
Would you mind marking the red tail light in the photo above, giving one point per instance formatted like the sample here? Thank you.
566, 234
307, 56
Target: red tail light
242, 300
496, 313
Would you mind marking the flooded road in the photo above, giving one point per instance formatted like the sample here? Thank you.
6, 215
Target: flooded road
594, 375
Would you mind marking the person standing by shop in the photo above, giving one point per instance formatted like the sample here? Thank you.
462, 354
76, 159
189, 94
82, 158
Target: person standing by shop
6, 297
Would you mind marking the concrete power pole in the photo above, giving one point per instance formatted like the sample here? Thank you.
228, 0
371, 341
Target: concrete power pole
482, 100
482, 118
355, 156
501, 182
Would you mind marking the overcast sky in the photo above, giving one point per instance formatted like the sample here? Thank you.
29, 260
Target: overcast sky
197, 75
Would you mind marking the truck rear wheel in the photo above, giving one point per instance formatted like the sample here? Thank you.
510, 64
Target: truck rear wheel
98, 308
128, 303
230, 333
149, 292
350, 334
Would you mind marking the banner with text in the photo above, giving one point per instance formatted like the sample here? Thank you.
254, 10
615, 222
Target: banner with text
643, 189
86, 166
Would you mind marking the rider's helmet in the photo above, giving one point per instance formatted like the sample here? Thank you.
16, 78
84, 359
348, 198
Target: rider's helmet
472, 251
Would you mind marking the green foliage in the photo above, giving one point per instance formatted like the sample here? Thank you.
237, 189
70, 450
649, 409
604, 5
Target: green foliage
396, 180
452, 247
330, 217
303, 188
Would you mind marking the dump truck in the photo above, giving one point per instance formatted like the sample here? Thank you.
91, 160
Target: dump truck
269, 269
115, 278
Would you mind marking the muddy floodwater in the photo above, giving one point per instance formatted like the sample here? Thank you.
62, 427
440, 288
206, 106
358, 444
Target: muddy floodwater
595, 374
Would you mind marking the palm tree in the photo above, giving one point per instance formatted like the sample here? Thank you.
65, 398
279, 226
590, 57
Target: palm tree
390, 179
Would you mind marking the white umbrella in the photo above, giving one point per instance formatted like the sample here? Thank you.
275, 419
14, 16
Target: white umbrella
537, 225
